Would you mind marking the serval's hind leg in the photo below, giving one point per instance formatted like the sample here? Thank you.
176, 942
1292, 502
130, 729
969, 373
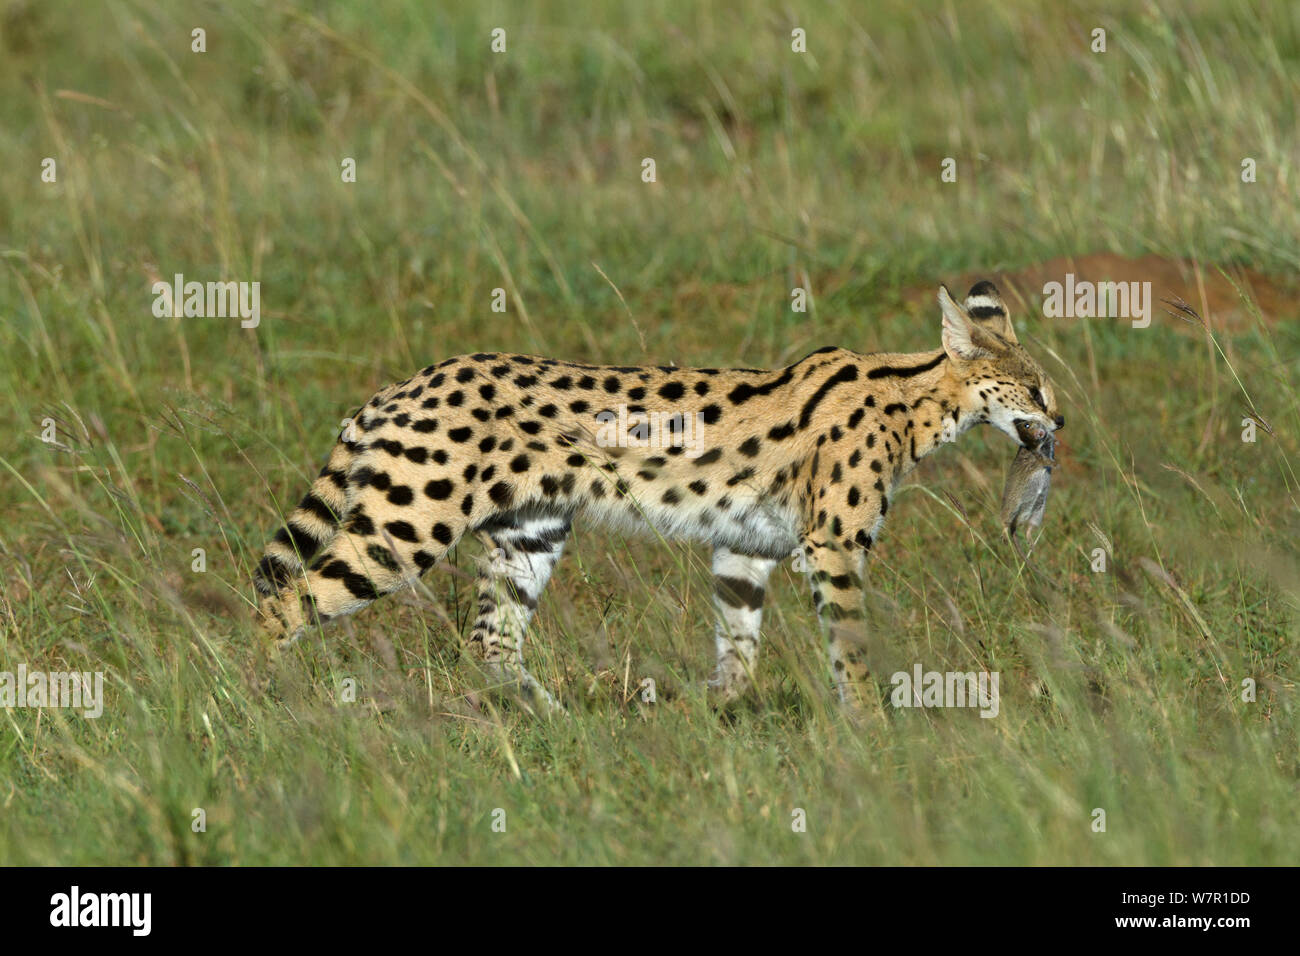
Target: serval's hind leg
305, 532
523, 546
365, 560
738, 583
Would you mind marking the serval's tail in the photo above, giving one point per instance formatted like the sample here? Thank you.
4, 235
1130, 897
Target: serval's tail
309, 527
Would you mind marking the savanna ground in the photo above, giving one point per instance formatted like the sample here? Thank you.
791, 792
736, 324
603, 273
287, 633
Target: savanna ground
1121, 690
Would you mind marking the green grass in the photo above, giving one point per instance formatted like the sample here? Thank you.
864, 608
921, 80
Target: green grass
1120, 690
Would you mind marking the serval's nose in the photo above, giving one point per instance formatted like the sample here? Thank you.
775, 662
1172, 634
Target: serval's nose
1060, 421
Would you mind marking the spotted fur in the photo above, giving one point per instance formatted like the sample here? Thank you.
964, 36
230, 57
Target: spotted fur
800, 460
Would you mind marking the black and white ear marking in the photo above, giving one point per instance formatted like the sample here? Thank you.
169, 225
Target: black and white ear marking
984, 304
957, 330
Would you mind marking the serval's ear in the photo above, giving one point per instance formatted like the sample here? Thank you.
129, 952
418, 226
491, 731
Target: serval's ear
963, 340
985, 306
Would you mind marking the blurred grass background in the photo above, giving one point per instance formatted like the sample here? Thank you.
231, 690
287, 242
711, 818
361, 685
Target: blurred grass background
522, 170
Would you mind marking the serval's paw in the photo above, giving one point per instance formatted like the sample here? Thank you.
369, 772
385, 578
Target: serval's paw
280, 618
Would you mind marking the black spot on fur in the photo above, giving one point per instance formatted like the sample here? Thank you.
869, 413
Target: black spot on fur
401, 530
439, 489
383, 557
359, 523
737, 592
744, 391
501, 494
848, 373
905, 371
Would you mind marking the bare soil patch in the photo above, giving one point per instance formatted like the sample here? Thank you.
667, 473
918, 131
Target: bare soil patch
1201, 285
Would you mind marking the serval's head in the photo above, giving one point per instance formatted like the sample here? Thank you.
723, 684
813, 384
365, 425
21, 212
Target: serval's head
999, 379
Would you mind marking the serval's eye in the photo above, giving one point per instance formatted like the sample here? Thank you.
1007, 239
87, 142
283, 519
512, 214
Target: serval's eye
1037, 396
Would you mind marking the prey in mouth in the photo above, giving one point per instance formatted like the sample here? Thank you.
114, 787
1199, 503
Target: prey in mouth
1024, 497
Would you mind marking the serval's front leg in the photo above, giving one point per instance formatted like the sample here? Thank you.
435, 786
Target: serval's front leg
844, 508
835, 573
